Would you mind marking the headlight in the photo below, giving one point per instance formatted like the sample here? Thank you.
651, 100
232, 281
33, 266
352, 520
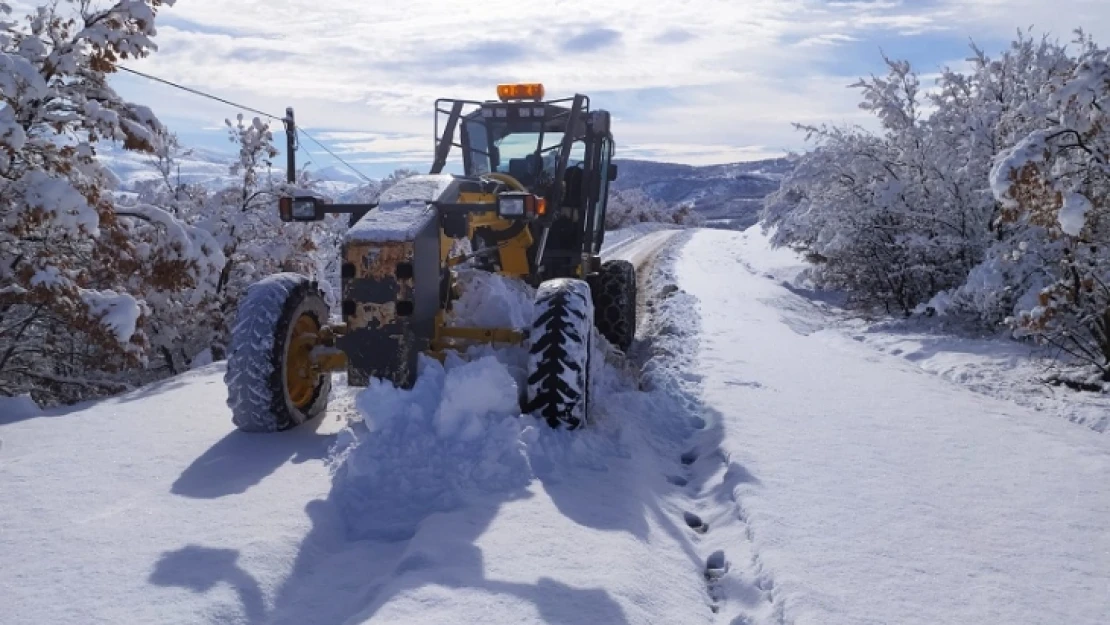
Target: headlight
304, 209
512, 207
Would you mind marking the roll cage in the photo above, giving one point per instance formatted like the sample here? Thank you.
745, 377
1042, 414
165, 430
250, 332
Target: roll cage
569, 165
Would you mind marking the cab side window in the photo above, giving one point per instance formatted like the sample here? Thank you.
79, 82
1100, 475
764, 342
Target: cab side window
603, 189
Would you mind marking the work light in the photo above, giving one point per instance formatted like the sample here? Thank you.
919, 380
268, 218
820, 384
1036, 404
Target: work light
511, 206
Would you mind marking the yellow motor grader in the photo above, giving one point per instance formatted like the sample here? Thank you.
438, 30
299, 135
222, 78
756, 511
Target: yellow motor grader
530, 202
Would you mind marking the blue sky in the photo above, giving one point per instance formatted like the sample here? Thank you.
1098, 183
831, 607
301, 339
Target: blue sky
691, 81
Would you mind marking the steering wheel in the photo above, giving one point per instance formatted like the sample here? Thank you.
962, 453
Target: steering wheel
507, 179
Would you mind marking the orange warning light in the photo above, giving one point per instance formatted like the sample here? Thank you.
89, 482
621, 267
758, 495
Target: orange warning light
524, 91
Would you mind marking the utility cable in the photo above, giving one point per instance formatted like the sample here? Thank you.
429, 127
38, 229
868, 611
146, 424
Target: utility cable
200, 93
335, 156
246, 108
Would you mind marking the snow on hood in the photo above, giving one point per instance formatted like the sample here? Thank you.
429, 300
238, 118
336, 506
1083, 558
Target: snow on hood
403, 210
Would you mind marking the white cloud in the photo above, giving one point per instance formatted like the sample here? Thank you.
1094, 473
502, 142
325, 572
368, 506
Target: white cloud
714, 77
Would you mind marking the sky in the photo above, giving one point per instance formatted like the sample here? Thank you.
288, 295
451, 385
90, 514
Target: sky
688, 81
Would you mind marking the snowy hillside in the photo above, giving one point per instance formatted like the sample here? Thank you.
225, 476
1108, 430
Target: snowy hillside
208, 168
727, 195
201, 166
754, 463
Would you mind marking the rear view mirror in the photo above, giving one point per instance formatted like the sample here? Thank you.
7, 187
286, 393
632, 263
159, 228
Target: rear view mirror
612, 172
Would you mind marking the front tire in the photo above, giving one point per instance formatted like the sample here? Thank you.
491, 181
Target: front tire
271, 384
559, 353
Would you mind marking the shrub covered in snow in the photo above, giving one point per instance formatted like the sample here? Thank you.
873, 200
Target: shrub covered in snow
1054, 189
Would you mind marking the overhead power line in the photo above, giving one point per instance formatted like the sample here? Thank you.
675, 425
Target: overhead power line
335, 156
202, 94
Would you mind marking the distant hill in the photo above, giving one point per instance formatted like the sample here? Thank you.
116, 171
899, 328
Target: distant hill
728, 195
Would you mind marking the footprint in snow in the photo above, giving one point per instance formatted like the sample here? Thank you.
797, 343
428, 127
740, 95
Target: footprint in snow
715, 565
678, 480
695, 523
690, 457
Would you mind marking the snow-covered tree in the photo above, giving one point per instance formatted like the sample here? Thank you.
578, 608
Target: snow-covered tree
242, 219
1054, 189
896, 217
180, 323
72, 268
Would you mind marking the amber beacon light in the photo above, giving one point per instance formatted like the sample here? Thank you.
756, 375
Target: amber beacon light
524, 91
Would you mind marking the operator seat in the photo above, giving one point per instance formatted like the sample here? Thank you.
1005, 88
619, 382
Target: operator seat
526, 170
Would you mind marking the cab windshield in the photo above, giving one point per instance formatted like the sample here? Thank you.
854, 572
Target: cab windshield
525, 154
522, 152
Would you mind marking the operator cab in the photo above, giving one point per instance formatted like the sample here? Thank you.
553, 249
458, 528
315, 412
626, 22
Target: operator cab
559, 150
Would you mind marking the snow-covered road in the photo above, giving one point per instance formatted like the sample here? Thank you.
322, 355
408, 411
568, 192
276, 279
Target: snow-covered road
861, 489
638, 245
766, 468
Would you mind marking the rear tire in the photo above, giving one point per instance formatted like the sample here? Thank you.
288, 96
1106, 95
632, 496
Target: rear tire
559, 353
614, 296
263, 394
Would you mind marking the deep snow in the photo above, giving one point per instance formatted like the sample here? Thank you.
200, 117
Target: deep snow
765, 466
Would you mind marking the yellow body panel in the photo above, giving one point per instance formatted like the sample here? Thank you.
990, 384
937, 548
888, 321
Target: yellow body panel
514, 252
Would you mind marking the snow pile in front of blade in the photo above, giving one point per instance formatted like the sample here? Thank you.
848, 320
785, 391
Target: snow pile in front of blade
453, 436
491, 300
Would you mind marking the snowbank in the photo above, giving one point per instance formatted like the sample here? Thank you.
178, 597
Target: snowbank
852, 488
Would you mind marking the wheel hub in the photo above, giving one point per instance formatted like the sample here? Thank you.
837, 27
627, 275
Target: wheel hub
301, 376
